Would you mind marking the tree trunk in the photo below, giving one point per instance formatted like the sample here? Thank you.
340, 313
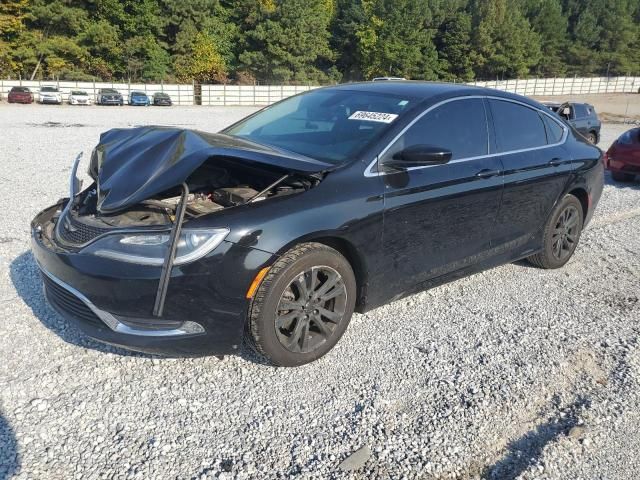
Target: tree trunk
35, 70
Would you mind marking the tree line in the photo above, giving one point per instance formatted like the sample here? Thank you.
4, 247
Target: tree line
316, 41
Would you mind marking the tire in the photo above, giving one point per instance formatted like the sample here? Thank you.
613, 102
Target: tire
292, 337
564, 226
592, 137
622, 177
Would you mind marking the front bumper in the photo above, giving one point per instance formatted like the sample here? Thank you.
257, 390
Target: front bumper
21, 99
111, 101
112, 302
53, 100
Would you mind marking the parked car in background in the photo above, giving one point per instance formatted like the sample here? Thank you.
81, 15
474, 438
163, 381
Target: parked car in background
139, 99
79, 97
385, 79
623, 157
277, 228
50, 94
162, 99
20, 95
581, 116
109, 96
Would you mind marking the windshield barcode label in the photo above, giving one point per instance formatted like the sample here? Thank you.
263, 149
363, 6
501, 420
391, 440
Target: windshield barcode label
373, 116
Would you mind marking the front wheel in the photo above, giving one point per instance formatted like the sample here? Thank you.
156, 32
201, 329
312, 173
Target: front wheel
592, 137
303, 305
561, 234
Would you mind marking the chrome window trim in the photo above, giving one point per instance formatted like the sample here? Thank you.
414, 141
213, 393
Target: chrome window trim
369, 170
188, 327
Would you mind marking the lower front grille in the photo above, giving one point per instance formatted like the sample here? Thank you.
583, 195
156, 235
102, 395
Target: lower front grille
68, 303
78, 233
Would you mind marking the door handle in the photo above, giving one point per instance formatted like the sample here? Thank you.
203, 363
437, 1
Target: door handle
555, 162
486, 173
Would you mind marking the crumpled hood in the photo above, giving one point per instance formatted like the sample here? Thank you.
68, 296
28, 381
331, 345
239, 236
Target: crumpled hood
133, 164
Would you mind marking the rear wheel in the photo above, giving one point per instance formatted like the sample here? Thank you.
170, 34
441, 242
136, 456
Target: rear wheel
622, 177
561, 234
592, 137
303, 305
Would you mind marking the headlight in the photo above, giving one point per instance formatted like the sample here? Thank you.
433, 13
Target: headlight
152, 248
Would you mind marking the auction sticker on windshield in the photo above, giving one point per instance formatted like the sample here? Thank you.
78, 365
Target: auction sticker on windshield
373, 116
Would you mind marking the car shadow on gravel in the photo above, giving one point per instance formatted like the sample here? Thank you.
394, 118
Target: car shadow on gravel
633, 185
9, 457
27, 281
527, 450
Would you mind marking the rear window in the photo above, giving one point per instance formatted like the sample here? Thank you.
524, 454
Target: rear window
629, 137
517, 127
580, 110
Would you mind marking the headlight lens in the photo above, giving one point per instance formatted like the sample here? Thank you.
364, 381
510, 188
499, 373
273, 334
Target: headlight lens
152, 248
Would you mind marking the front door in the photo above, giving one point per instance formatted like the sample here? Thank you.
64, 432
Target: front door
440, 218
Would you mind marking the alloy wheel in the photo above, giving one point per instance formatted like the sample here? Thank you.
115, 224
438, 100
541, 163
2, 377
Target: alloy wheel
566, 232
310, 309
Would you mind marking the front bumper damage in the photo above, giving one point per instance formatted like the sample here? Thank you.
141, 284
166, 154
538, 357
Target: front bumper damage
193, 309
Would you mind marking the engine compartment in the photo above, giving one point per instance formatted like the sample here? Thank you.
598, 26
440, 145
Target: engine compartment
214, 186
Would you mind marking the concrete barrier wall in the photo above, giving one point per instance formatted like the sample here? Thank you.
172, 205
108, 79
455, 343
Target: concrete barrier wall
257, 95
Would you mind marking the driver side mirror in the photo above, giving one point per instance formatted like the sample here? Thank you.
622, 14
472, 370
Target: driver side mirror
418, 156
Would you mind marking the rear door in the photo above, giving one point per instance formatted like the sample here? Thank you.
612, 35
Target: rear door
438, 219
536, 169
581, 120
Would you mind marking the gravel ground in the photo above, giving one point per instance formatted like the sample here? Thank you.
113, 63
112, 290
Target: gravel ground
512, 373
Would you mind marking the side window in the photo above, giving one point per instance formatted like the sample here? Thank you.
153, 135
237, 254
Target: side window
554, 130
580, 110
459, 126
517, 127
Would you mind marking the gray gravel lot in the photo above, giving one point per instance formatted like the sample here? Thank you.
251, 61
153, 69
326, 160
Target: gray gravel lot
512, 373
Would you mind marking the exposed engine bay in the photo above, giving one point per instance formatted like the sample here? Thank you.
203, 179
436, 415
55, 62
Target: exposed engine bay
213, 186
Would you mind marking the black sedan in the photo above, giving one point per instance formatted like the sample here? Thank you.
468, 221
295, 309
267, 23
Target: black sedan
276, 229
109, 96
162, 99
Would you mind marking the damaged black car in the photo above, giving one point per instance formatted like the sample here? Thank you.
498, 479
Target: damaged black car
274, 231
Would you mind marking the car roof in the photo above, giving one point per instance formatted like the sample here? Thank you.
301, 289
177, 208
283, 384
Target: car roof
429, 90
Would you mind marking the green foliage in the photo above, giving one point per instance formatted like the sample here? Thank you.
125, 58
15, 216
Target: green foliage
316, 41
397, 40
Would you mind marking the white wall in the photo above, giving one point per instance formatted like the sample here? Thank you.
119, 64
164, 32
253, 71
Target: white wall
249, 95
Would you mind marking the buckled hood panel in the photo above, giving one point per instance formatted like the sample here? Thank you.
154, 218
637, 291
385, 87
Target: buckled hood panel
132, 165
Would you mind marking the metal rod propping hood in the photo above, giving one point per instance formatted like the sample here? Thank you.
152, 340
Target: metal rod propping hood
132, 165
74, 187
167, 266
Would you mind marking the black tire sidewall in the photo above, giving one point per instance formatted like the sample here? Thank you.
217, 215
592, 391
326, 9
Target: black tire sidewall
551, 260
264, 322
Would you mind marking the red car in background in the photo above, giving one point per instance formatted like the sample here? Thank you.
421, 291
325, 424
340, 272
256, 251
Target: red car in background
623, 157
20, 95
